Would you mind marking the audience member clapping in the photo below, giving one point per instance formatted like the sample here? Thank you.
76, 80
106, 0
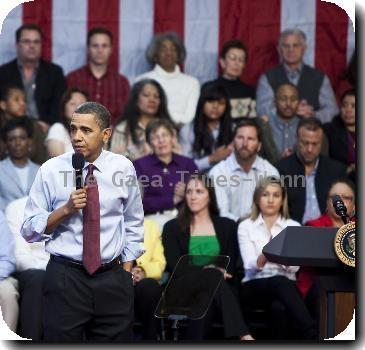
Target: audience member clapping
147, 101
162, 174
58, 140
207, 138
166, 51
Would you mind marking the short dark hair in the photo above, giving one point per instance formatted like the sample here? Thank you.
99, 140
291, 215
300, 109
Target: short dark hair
345, 181
13, 124
29, 26
288, 83
153, 125
350, 92
310, 124
7, 89
249, 122
99, 30
101, 113
233, 44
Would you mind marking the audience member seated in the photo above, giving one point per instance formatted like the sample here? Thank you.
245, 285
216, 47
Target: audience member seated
207, 138
8, 285
31, 262
282, 126
307, 174
97, 78
233, 58
13, 106
341, 134
166, 51
198, 230
345, 189
146, 102
317, 98
42, 81
162, 175
235, 178
266, 283
17, 170
58, 140
147, 272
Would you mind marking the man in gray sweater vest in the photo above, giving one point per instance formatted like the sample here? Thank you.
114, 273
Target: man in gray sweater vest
317, 98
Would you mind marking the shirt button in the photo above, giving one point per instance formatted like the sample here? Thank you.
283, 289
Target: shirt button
98, 83
97, 96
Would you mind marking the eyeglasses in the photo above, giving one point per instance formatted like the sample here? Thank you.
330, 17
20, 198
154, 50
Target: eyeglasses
291, 46
343, 197
28, 42
236, 58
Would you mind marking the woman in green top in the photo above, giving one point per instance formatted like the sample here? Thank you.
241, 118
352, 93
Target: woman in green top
198, 229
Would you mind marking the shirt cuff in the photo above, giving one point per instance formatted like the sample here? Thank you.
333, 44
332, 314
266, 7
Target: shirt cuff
36, 227
132, 252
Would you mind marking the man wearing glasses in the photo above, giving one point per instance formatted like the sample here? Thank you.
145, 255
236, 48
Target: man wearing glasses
317, 98
43, 82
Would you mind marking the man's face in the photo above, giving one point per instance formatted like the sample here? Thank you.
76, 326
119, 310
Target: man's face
87, 137
286, 101
309, 145
233, 63
29, 47
18, 143
246, 143
292, 49
99, 49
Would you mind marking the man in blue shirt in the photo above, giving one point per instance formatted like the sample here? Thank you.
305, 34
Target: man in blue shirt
8, 285
92, 240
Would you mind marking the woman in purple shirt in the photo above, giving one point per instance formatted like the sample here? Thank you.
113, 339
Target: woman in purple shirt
163, 174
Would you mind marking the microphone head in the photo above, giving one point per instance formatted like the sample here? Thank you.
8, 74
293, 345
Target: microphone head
336, 199
339, 205
78, 161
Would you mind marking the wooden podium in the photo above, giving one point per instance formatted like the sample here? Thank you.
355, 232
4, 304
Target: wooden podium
313, 247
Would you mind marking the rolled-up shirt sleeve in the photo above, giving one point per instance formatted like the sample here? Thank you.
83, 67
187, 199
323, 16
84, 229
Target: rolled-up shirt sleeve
37, 211
133, 222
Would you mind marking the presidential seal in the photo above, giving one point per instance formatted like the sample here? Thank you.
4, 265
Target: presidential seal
344, 244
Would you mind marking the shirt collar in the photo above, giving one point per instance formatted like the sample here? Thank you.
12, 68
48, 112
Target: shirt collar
20, 66
157, 161
159, 70
281, 124
291, 71
98, 162
280, 221
234, 165
88, 70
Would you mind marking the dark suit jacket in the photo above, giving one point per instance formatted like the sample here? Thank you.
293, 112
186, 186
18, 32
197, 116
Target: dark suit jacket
50, 86
176, 243
337, 139
328, 171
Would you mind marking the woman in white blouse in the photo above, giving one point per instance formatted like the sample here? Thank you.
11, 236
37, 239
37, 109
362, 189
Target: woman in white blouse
58, 140
266, 284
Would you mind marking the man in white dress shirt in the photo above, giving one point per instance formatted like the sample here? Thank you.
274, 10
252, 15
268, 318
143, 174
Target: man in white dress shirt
235, 177
87, 296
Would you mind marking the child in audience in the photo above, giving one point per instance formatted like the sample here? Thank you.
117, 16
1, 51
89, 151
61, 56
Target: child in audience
207, 138
12, 106
58, 140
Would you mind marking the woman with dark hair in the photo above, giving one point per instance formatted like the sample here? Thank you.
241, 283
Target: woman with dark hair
341, 134
269, 285
166, 52
58, 140
198, 230
146, 102
207, 138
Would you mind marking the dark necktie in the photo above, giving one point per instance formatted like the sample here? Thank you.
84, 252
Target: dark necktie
91, 220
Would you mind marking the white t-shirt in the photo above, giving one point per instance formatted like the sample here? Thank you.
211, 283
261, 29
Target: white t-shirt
58, 132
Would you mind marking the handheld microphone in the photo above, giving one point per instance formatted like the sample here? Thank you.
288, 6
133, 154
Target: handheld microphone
78, 162
340, 208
